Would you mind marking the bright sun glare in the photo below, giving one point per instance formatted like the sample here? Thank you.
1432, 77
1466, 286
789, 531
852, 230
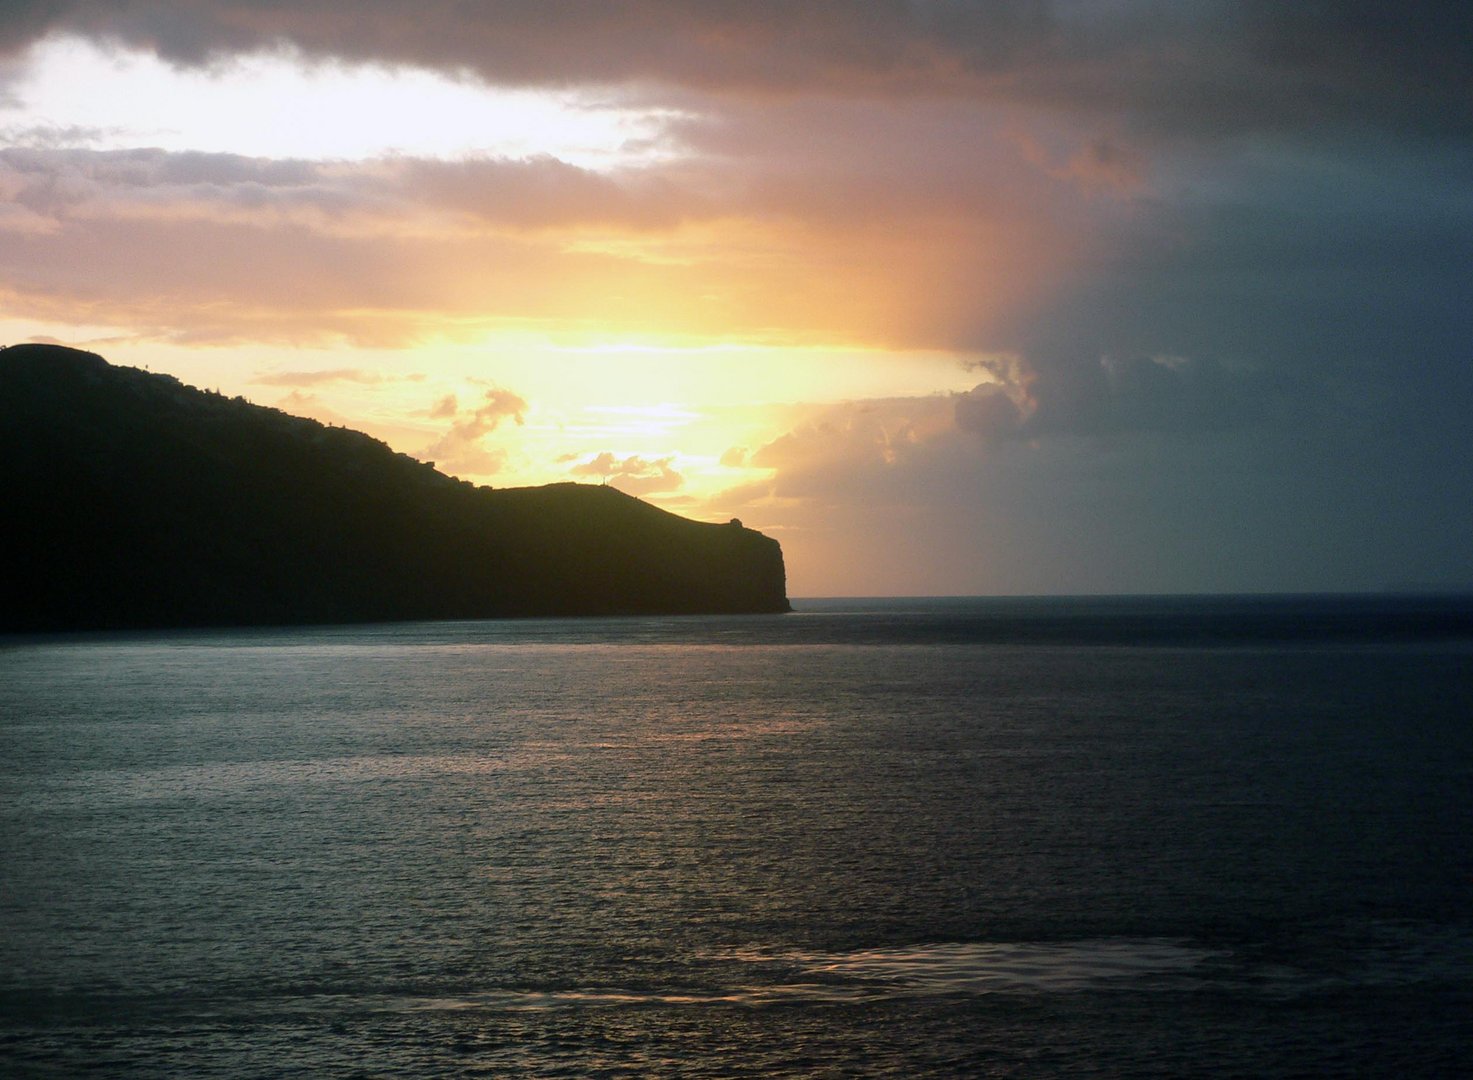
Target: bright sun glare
278, 105
679, 414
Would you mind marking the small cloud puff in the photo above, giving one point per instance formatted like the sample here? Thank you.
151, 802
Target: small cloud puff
315, 378
634, 475
460, 449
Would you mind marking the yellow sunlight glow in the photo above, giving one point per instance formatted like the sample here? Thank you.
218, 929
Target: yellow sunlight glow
700, 408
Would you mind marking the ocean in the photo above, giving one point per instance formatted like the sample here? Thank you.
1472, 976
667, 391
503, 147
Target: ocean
994, 838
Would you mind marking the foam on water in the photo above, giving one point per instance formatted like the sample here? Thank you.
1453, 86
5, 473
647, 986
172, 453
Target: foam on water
795, 978
997, 967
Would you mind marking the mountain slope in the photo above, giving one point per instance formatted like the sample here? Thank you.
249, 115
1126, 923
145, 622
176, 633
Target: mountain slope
132, 500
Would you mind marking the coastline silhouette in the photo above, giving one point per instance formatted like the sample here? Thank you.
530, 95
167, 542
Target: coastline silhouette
138, 501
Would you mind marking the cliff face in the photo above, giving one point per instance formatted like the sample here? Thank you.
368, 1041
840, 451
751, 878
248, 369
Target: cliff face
132, 500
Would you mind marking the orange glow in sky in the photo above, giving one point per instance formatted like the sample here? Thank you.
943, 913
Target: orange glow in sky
450, 246
946, 299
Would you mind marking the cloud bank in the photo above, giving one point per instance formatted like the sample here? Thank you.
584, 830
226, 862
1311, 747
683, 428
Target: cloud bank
1207, 260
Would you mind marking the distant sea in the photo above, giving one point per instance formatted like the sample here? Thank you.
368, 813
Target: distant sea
1141, 837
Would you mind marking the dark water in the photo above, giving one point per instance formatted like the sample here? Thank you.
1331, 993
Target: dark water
984, 838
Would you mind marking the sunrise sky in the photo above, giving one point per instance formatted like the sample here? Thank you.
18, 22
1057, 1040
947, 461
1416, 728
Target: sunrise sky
991, 297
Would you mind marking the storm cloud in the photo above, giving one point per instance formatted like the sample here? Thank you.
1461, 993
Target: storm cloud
1198, 64
1207, 261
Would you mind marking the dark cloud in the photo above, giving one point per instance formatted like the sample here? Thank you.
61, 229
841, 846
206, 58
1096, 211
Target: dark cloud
990, 412
1196, 65
1111, 396
715, 43
1214, 252
1410, 64
26, 21
888, 491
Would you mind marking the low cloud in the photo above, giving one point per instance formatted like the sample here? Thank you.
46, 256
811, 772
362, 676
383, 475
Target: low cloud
990, 412
317, 378
1101, 165
310, 405
70, 184
1210, 247
962, 493
395, 196
460, 451
543, 192
51, 136
1111, 396
633, 474
855, 450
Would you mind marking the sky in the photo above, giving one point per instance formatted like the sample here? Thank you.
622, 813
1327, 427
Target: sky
1012, 297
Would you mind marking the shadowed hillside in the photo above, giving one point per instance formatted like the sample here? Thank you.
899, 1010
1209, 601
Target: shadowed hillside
132, 500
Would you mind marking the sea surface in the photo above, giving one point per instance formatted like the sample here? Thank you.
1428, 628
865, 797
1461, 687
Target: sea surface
996, 838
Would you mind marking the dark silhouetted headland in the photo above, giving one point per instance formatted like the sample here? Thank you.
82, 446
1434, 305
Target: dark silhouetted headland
131, 500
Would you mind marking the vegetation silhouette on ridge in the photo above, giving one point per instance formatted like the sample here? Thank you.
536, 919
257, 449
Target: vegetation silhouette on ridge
136, 501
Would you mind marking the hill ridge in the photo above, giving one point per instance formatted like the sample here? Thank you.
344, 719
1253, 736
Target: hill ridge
139, 501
